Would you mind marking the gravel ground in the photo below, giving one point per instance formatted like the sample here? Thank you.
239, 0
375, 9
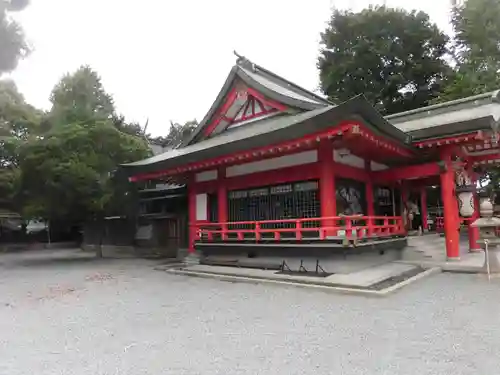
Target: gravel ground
63, 313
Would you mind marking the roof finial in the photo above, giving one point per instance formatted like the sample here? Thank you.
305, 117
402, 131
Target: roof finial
243, 60
238, 55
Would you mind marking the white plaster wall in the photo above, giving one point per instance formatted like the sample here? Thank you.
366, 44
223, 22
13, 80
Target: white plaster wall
377, 166
350, 159
206, 176
201, 207
299, 158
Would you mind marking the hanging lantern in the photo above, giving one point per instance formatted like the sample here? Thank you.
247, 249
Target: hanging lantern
465, 194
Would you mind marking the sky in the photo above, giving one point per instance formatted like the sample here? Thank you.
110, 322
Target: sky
167, 60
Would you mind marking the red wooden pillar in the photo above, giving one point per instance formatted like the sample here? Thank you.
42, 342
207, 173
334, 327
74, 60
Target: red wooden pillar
474, 231
404, 209
450, 211
423, 211
222, 213
191, 214
370, 204
327, 184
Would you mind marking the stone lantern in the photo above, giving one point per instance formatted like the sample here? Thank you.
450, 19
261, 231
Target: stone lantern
487, 225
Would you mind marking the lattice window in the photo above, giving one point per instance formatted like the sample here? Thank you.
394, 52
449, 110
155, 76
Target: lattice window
213, 209
287, 201
383, 199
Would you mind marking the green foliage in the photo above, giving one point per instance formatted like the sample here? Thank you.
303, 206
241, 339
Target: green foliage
176, 134
69, 172
476, 49
394, 57
131, 128
18, 122
13, 45
80, 97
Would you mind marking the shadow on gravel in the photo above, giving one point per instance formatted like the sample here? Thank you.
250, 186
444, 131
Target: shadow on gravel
56, 261
42, 262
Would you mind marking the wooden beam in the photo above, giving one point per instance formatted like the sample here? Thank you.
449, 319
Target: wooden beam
405, 173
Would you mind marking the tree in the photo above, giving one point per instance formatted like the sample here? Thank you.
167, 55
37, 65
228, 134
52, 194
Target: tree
19, 122
13, 46
176, 134
476, 49
80, 97
131, 128
394, 57
69, 173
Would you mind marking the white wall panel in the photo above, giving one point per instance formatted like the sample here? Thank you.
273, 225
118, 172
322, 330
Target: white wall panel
300, 158
377, 166
206, 176
201, 207
349, 159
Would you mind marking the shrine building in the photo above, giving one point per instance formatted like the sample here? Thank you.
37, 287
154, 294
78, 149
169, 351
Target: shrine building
274, 169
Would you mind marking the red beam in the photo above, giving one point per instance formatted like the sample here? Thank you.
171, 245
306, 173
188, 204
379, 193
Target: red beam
288, 147
405, 173
456, 139
478, 159
222, 112
261, 153
264, 100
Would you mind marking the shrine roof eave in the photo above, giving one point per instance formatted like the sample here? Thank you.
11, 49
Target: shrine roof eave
274, 130
478, 112
265, 82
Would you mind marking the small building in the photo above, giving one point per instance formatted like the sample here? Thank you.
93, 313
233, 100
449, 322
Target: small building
277, 168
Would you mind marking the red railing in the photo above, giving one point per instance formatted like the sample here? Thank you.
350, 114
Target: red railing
322, 228
464, 221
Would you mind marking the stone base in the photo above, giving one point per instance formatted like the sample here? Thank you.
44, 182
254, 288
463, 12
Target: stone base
192, 259
493, 258
454, 259
479, 250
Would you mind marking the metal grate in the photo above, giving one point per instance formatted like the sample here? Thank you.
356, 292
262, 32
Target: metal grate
278, 202
213, 209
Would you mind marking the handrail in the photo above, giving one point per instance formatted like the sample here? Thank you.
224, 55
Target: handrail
353, 226
440, 222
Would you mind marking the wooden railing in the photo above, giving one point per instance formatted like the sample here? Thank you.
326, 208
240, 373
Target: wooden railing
464, 221
321, 228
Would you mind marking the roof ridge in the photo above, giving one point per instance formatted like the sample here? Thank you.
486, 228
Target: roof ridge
246, 63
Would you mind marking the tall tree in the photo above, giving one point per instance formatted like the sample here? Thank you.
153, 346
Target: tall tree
13, 45
68, 174
476, 49
19, 122
394, 57
176, 134
80, 97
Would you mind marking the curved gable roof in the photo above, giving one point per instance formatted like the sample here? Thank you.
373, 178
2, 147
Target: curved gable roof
268, 84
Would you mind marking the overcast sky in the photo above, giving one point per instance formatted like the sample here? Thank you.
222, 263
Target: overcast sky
167, 60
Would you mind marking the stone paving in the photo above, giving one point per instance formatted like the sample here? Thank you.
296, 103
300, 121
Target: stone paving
66, 313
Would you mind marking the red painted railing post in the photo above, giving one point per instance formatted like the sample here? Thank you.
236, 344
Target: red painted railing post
348, 227
257, 231
369, 223
224, 231
298, 230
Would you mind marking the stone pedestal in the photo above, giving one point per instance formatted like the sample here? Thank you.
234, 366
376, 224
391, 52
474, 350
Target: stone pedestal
492, 258
487, 227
